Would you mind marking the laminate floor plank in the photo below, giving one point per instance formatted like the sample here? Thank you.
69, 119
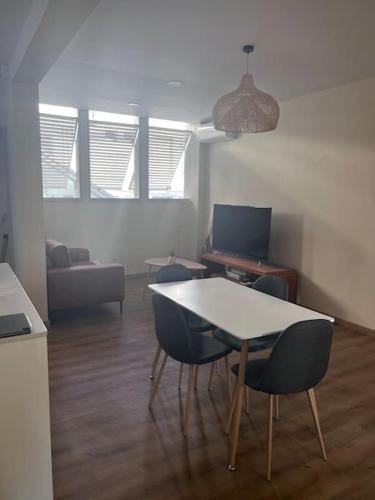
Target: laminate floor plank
107, 445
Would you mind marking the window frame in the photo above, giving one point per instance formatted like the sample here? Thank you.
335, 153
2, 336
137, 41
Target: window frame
126, 121
181, 155
64, 112
142, 194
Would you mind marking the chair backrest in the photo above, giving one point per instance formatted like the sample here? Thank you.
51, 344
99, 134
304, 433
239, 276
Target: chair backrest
299, 359
272, 285
171, 329
173, 272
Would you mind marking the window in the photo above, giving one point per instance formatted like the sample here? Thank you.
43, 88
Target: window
168, 143
113, 155
58, 137
111, 159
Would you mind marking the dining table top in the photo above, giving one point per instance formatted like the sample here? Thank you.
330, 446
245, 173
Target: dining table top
241, 311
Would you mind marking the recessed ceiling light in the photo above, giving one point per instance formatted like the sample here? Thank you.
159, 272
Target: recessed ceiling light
133, 104
174, 83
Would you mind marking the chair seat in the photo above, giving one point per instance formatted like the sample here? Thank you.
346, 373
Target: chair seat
255, 345
196, 323
208, 349
253, 373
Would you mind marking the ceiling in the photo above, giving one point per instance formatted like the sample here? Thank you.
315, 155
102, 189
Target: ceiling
127, 51
13, 14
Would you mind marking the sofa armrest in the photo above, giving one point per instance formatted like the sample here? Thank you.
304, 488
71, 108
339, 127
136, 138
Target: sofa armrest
79, 254
85, 285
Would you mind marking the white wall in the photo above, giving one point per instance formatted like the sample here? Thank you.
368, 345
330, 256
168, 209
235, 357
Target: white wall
2, 102
3, 168
3, 186
45, 30
317, 171
25, 188
127, 231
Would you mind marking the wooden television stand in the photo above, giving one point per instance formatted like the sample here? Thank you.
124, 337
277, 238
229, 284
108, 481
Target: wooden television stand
219, 262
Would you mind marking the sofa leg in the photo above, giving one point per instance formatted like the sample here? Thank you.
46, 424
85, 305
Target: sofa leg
121, 307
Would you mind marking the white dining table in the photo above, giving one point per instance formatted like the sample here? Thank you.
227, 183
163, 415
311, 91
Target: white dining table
244, 313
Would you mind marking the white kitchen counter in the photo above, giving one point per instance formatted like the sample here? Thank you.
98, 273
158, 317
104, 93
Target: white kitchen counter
25, 442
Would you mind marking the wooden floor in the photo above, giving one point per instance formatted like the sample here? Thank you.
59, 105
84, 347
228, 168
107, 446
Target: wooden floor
107, 445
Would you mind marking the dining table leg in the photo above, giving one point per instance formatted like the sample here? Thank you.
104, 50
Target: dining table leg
238, 405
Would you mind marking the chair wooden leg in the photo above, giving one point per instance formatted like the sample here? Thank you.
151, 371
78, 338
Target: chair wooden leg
314, 411
247, 401
269, 447
227, 377
155, 362
188, 399
211, 375
218, 367
196, 377
156, 385
276, 407
180, 375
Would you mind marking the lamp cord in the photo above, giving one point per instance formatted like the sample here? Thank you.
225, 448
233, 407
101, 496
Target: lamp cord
248, 49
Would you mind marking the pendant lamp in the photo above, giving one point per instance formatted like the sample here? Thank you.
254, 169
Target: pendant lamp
246, 109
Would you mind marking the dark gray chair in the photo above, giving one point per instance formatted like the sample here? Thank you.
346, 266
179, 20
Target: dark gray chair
271, 285
177, 341
173, 272
298, 362
276, 287
170, 274
178, 272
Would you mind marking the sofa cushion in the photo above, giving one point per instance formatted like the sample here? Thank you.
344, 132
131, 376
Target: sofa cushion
58, 254
79, 254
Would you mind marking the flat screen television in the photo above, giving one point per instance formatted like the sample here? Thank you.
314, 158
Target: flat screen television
242, 230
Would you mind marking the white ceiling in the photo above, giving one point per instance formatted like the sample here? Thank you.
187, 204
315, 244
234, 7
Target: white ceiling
13, 14
128, 50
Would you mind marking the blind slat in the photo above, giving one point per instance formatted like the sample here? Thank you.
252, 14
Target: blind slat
57, 137
166, 147
111, 146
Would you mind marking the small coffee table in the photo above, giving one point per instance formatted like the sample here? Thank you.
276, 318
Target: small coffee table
159, 262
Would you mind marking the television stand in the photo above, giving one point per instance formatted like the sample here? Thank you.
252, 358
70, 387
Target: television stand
220, 262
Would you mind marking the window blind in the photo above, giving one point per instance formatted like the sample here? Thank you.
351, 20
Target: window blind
111, 146
57, 137
166, 147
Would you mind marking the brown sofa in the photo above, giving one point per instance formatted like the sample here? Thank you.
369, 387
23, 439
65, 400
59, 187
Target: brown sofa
75, 281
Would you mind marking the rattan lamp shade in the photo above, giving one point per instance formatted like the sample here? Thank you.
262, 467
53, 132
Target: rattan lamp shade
247, 109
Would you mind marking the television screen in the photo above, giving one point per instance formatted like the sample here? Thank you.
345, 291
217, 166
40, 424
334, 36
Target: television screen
242, 230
